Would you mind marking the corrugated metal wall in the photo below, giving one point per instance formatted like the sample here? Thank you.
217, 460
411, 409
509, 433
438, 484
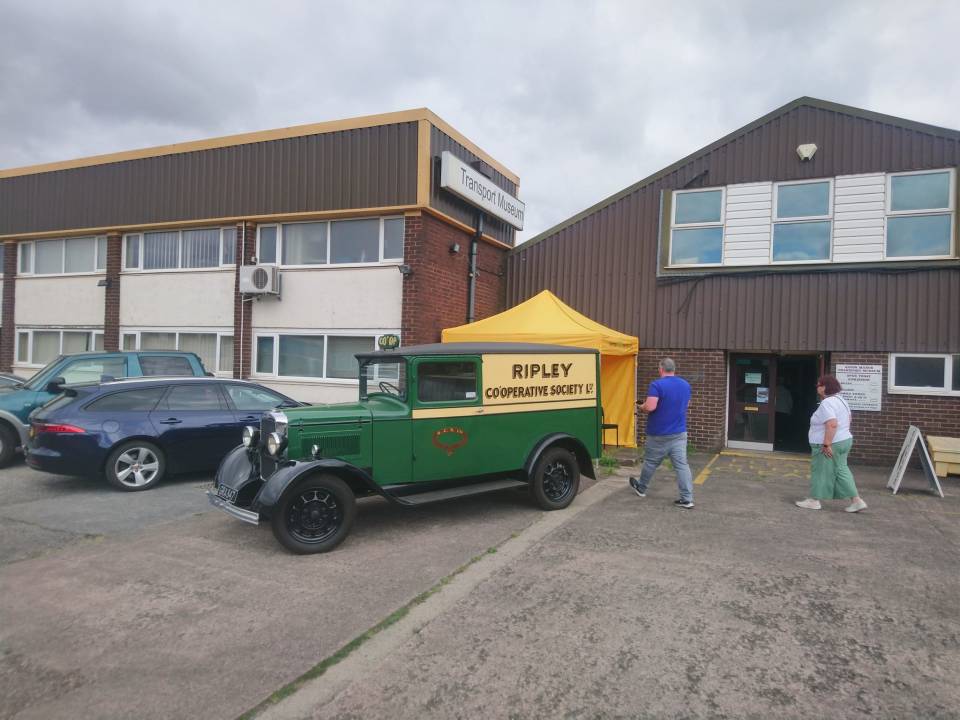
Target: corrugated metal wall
453, 206
605, 264
361, 168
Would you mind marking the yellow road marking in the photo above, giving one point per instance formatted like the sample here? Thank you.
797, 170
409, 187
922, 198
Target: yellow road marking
757, 456
705, 473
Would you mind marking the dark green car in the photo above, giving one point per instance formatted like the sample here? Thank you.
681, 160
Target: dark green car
433, 422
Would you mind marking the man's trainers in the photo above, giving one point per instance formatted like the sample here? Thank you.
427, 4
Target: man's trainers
685, 504
856, 506
808, 504
635, 484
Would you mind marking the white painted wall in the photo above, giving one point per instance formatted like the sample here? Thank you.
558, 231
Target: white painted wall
176, 299
59, 301
318, 392
858, 217
331, 298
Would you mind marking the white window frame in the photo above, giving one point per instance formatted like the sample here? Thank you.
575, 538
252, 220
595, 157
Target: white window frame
381, 261
136, 332
949, 210
944, 391
275, 334
92, 339
30, 247
674, 225
141, 233
775, 220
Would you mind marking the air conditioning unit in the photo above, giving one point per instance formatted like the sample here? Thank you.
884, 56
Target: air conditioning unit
259, 280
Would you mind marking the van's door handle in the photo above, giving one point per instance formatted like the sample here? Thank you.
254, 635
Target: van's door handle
171, 421
479, 411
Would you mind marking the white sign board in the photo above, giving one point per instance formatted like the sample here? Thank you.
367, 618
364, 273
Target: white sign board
862, 385
461, 179
906, 451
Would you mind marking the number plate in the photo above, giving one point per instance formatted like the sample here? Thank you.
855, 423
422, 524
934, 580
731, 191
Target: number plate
227, 493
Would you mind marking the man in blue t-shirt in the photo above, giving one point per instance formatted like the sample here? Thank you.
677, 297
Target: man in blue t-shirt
666, 408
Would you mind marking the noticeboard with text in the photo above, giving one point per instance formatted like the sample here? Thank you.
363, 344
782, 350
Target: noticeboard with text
862, 385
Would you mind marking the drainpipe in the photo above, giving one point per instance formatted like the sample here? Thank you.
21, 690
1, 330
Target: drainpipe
472, 275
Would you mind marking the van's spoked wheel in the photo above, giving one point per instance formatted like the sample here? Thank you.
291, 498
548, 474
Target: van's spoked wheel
556, 481
315, 515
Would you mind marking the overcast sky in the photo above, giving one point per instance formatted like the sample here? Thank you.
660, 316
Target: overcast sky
580, 99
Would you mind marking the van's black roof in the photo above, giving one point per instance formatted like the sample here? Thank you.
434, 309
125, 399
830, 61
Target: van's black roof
480, 348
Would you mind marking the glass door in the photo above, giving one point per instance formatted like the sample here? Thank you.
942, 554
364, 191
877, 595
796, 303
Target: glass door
752, 379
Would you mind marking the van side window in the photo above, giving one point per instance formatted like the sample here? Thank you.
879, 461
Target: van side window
445, 381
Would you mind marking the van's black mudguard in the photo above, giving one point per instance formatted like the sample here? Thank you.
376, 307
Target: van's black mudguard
238, 471
562, 440
277, 484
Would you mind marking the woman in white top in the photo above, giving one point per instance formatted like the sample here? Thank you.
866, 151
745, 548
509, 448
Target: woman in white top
830, 443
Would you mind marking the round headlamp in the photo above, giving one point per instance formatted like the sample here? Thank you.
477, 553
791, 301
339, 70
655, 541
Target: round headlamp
249, 436
274, 443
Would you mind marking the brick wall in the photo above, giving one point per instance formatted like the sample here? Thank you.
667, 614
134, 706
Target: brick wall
111, 298
706, 371
7, 328
879, 435
242, 311
435, 292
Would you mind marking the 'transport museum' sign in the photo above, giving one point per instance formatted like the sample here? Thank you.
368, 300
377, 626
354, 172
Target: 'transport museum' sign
461, 179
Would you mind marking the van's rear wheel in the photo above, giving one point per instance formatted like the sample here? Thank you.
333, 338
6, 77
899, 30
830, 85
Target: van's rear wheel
315, 515
556, 479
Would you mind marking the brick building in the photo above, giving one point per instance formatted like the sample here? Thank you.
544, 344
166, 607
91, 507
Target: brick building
350, 221
817, 238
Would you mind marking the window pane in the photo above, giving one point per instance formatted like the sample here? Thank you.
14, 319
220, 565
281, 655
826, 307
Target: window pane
250, 398
98, 341
804, 200
129, 342
918, 235
446, 381
956, 373
133, 251
801, 241
80, 256
196, 396
23, 342
393, 239
268, 245
920, 372
920, 192
158, 341
355, 241
265, 355
201, 248
165, 365
697, 246
131, 400
92, 370
341, 362
26, 257
229, 246
101, 253
697, 207
203, 344
305, 244
301, 355
161, 250
49, 256
46, 346
226, 353
74, 342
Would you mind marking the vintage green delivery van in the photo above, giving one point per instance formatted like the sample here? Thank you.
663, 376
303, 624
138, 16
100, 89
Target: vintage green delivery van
433, 422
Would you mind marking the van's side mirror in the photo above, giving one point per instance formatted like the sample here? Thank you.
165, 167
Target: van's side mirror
55, 386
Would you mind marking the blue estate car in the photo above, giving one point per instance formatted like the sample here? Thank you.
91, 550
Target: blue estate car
19, 400
137, 431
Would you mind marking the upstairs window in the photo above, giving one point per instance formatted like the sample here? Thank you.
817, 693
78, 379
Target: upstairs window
193, 249
697, 228
365, 241
63, 256
920, 214
802, 221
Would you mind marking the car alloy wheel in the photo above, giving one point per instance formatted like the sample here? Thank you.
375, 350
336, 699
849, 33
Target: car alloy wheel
136, 467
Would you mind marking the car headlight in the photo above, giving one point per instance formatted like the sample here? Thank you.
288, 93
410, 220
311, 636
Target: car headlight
274, 443
249, 436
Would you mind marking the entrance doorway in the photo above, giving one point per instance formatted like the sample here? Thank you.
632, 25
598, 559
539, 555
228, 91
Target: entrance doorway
771, 400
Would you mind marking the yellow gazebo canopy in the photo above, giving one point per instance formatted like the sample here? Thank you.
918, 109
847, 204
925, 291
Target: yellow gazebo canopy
545, 318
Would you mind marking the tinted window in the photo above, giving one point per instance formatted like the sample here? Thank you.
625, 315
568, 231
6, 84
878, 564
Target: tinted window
251, 398
144, 399
193, 397
165, 365
447, 381
91, 370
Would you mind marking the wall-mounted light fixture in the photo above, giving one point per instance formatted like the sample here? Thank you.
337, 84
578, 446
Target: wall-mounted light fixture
405, 270
104, 283
806, 151
454, 248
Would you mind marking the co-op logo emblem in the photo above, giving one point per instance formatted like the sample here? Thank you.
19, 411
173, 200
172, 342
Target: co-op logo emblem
450, 439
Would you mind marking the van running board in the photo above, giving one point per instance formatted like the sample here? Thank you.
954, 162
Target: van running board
457, 492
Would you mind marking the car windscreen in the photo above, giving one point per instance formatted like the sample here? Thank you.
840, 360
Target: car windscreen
384, 376
44, 375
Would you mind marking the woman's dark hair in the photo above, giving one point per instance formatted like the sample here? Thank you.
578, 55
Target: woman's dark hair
831, 386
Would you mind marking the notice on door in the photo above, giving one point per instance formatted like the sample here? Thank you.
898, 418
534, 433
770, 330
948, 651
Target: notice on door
862, 385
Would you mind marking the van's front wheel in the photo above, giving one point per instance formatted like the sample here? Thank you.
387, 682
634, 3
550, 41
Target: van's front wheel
556, 479
315, 516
